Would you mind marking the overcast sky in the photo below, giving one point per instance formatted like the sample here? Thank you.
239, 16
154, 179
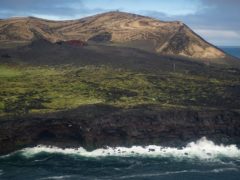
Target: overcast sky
218, 21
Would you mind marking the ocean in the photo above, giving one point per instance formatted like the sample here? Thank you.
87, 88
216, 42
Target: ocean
197, 161
201, 160
232, 50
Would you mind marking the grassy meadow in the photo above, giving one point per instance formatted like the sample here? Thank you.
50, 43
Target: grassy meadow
48, 89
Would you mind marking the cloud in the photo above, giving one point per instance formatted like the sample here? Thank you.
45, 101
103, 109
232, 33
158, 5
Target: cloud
222, 14
218, 33
25, 4
53, 9
216, 20
220, 37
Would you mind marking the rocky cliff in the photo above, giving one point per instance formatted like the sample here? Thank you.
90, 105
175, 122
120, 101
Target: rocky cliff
96, 126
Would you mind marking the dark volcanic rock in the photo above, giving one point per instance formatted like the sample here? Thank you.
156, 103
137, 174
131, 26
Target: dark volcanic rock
102, 37
96, 126
77, 43
5, 55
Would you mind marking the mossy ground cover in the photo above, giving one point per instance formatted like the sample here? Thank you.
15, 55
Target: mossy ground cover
48, 89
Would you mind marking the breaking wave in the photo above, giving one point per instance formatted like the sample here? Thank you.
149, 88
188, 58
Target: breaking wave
201, 149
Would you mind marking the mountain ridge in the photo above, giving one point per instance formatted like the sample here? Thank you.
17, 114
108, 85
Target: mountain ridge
123, 29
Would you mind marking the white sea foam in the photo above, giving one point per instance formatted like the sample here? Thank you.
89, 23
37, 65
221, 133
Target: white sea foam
56, 177
202, 149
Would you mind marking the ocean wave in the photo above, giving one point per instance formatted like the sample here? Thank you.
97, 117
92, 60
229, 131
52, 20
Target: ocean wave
149, 175
168, 173
201, 149
57, 177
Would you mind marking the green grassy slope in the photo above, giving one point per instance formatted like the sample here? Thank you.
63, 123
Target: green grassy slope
31, 89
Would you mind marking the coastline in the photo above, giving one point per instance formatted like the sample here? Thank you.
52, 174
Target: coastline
97, 126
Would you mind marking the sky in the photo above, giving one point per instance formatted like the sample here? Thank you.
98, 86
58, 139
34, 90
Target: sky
218, 21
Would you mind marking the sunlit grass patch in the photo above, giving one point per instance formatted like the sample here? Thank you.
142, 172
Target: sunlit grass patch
7, 71
49, 89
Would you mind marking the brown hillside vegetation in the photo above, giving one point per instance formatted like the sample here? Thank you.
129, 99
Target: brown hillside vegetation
116, 28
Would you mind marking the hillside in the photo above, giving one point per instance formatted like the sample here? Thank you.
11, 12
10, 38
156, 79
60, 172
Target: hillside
69, 76
115, 28
114, 79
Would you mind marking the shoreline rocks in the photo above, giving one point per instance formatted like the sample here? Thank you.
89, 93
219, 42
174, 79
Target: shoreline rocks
95, 126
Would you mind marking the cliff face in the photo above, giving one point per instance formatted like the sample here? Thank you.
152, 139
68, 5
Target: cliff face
96, 126
122, 29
